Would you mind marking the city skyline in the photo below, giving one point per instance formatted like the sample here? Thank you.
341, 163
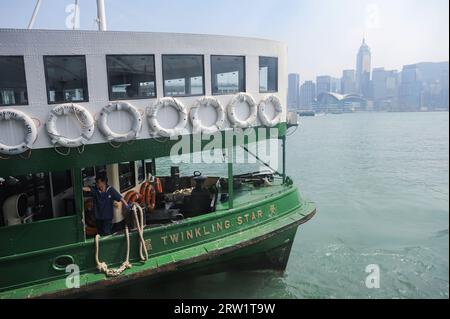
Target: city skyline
321, 35
415, 87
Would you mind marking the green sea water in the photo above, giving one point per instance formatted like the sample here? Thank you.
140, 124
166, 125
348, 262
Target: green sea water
381, 185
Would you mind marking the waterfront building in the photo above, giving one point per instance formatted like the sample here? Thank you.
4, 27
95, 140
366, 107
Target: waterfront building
410, 94
434, 78
348, 83
363, 69
323, 84
293, 91
307, 95
384, 88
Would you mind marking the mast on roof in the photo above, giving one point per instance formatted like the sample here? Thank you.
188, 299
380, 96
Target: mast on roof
101, 16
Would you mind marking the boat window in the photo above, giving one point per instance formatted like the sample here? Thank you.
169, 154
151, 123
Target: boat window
127, 176
61, 181
268, 74
13, 86
131, 76
141, 171
66, 79
183, 75
34, 197
227, 74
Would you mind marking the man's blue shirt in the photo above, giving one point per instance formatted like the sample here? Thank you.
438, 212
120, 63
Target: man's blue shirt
104, 202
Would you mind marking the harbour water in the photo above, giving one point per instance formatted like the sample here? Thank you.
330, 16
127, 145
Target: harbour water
381, 184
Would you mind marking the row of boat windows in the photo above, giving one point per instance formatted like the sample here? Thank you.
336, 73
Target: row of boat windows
133, 77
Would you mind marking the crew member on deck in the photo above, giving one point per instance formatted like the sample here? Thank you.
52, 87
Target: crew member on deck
104, 197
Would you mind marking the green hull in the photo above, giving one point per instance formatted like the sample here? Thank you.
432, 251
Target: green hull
257, 233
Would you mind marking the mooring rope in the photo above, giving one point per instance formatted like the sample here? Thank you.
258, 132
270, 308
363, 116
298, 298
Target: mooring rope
103, 267
114, 272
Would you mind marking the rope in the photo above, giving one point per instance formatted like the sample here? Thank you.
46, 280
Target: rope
61, 153
28, 156
140, 228
103, 267
115, 146
82, 149
114, 272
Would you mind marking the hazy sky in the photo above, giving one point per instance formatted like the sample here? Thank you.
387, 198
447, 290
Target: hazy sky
323, 36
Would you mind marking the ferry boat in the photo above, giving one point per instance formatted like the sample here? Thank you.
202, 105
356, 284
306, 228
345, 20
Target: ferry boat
74, 104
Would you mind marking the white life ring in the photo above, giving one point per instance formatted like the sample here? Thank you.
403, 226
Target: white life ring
84, 117
272, 99
195, 120
30, 132
231, 110
104, 128
155, 126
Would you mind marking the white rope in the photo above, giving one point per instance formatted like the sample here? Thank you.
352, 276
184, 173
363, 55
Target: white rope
103, 267
114, 272
140, 228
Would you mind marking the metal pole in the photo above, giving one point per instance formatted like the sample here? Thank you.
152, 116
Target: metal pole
79, 202
76, 15
283, 147
101, 16
230, 179
35, 12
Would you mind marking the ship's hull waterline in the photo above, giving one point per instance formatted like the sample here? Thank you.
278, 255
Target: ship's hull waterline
254, 236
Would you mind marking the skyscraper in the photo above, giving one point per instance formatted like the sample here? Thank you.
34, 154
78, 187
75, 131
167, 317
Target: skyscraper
293, 90
384, 88
348, 84
363, 68
410, 95
323, 84
335, 86
307, 94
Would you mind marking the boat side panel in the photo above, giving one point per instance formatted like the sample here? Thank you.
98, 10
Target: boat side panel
162, 242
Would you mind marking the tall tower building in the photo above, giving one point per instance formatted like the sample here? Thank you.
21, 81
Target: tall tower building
348, 84
363, 68
293, 91
307, 94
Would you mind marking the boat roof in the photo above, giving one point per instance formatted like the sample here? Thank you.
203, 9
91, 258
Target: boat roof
167, 34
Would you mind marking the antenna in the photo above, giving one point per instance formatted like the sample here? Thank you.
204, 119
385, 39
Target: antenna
101, 17
35, 12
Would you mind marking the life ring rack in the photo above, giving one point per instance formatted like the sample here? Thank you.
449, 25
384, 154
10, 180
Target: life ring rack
231, 110
155, 126
272, 99
195, 120
111, 136
83, 116
30, 132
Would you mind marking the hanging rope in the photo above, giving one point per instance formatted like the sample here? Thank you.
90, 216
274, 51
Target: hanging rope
28, 154
140, 228
114, 272
61, 153
103, 267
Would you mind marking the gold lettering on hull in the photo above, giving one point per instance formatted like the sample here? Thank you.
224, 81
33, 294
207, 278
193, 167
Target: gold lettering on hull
219, 226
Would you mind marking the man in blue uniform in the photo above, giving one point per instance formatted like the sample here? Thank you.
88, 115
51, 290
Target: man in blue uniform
104, 196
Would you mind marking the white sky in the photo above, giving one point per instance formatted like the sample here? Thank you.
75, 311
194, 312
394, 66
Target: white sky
323, 35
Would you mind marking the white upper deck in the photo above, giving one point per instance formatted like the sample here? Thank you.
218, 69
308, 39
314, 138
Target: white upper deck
95, 46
